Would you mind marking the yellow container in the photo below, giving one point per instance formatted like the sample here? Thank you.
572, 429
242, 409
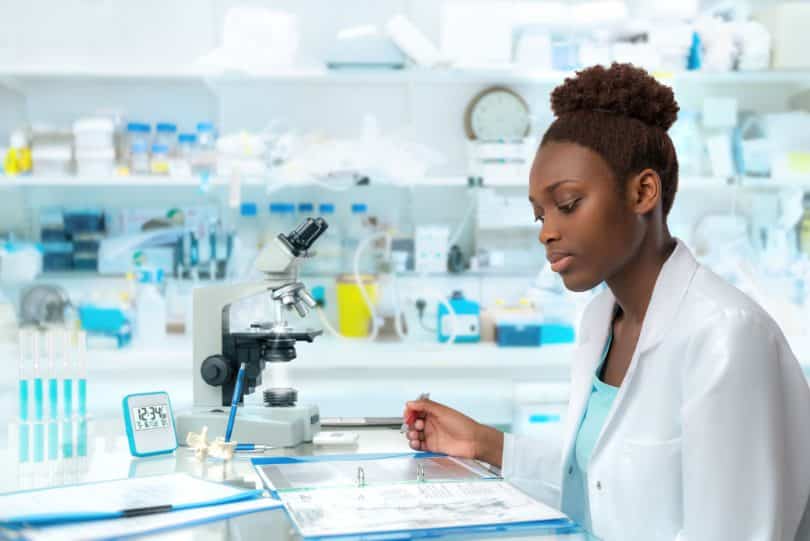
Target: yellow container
354, 317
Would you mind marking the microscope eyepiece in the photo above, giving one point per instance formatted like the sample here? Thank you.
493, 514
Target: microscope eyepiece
305, 235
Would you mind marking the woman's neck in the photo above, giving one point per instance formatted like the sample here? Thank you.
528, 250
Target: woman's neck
633, 285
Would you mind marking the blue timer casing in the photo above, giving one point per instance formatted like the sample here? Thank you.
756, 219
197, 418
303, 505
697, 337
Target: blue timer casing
154, 441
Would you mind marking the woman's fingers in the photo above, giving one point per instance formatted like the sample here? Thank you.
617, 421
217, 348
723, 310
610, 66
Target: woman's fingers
419, 424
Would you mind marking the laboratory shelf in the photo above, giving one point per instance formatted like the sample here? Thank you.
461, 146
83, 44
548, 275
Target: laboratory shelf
156, 181
18, 78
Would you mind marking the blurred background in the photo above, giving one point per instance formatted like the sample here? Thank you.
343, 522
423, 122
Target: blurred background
150, 148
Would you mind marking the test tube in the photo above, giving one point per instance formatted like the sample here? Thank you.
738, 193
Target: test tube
39, 400
67, 397
53, 397
81, 378
81, 373
24, 432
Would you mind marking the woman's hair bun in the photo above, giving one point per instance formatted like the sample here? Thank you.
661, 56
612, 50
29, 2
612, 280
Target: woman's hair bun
621, 89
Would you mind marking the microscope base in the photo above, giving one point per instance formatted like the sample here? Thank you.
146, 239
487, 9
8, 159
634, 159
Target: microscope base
279, 427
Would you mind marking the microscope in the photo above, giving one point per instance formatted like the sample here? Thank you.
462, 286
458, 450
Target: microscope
219, 352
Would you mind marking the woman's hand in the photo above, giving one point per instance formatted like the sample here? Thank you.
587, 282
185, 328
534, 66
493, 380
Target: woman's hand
436, 428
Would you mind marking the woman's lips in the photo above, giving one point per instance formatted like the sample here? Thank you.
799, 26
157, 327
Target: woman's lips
560, 262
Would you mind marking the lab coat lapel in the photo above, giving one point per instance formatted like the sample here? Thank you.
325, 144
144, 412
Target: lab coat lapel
670, 289
592, 339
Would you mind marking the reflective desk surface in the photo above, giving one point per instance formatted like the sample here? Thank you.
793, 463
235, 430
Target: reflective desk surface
107, 457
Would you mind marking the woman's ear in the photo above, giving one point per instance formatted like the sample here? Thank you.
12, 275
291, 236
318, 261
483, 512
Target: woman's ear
644, 192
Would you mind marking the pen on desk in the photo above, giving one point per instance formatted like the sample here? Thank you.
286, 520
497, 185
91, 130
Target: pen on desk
409, 420
256, 447
237, 394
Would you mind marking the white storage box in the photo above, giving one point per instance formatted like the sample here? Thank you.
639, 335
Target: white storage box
97, 162
94, 133
52, 160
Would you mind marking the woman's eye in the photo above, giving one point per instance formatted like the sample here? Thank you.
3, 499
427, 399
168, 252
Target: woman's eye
569, 207
538, 219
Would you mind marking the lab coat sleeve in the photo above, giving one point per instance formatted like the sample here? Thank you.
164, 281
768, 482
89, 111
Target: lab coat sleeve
533, 466
741, 474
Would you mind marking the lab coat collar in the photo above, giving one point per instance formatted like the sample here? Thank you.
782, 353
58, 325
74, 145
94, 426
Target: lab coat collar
668, 293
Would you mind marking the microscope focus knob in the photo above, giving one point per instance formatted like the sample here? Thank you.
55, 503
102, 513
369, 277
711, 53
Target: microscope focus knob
215, 370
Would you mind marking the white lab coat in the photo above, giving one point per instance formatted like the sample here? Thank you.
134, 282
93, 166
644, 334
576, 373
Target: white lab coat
709, 435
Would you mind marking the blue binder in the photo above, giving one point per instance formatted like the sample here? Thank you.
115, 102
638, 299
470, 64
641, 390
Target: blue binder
540, 527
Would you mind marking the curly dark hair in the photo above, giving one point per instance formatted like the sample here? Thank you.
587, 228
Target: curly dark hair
623, 114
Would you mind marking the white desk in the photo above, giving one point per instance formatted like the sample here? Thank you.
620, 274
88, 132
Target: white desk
108, 458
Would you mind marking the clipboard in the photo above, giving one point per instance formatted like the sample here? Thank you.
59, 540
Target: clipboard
114, 499
424, 495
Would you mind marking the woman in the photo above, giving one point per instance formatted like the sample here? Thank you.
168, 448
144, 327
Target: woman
689, 416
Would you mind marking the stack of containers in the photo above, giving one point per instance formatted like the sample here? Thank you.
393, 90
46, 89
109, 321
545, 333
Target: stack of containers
95, 146
51, 152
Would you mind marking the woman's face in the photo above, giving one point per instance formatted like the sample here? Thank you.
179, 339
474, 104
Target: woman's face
590, 229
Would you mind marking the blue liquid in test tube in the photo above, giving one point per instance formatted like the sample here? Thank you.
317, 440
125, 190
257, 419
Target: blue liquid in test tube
25, 428
67, 400
81, 374
39, 403
53, 404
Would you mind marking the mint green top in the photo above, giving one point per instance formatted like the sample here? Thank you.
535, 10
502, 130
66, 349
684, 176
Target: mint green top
596, 412
599, 404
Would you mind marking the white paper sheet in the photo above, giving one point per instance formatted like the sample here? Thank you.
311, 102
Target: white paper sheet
415, 506
113, 496
343, 473
106, 529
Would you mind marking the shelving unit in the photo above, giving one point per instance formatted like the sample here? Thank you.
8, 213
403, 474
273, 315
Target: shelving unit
155, 181
18, 78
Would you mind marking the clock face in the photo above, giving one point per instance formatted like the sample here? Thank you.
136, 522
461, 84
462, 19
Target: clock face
499, 114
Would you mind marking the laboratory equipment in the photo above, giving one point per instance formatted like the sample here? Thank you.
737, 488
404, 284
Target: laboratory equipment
354, 315
43, 304
497, 113
53, 397
364, 47
430, 248
329, 245
17, 160
357, 229
517, 328
166, 134
150, 314
413, 42
24, 396
159, 163
138, 140
149, 423
51, 152
205, 161
465, 323
95, 146
219, 351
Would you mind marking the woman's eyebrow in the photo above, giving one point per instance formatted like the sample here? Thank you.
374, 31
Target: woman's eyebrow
553, 187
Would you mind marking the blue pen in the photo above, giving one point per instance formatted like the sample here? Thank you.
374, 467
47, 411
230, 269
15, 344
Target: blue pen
237, 394
256, 447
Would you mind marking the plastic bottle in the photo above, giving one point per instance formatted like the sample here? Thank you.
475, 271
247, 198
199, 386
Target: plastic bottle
150, 309
139, 158
166, 134
138, 147
206, 155
186, 146
159, 164
357, 229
